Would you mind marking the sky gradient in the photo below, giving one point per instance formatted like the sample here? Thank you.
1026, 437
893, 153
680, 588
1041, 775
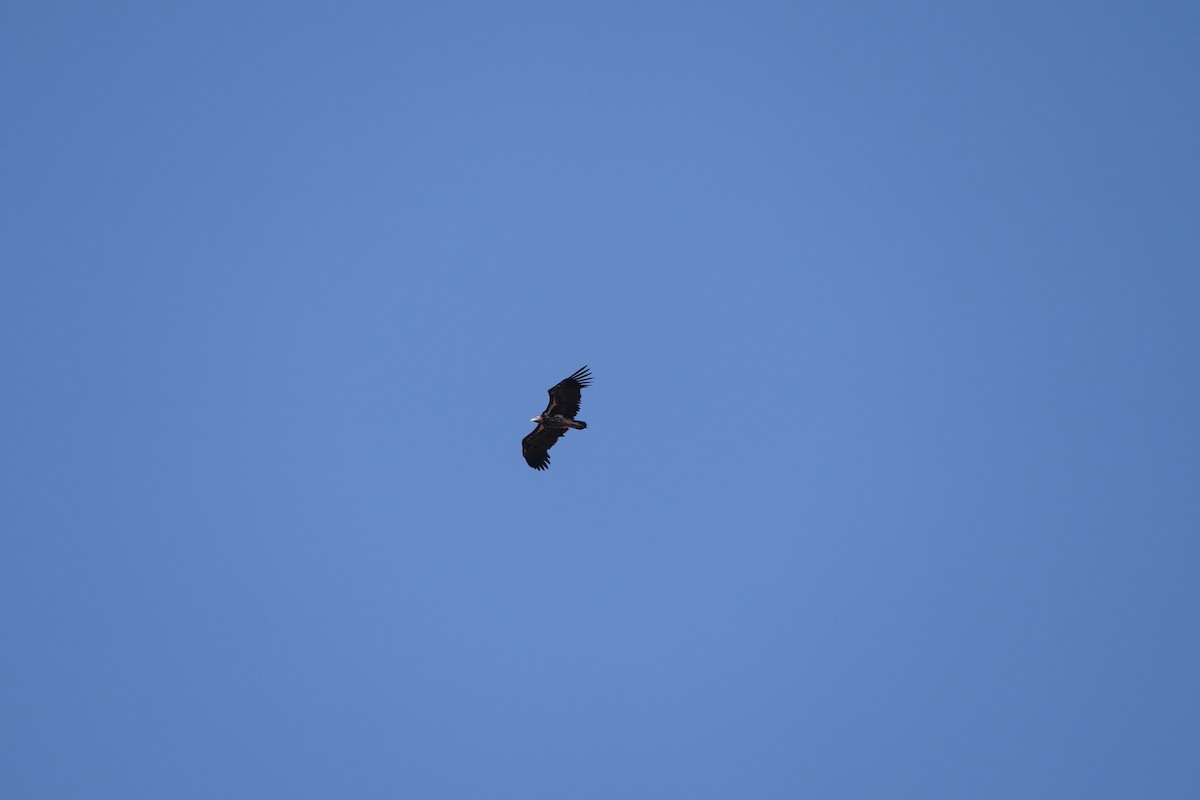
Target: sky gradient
890, 484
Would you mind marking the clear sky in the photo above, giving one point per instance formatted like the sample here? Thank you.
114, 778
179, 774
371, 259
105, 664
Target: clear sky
891, 484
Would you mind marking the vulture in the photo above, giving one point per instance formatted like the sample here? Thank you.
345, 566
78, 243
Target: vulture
556, 419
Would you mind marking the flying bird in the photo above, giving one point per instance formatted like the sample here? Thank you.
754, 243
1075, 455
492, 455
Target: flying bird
556, 419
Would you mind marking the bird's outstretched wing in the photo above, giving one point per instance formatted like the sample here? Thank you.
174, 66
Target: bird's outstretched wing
564, 396
536, 445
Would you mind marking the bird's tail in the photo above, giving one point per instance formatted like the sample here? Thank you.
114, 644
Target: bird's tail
578, 424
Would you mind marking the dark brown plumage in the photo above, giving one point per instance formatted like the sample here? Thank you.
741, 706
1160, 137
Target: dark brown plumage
557, 419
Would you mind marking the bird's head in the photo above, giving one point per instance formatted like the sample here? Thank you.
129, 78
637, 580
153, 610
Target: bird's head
538, 418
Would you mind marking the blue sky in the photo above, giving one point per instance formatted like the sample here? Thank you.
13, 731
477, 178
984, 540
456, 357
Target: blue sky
890, 482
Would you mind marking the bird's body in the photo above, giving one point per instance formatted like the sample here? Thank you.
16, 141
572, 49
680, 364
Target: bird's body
559, 421
556, 420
